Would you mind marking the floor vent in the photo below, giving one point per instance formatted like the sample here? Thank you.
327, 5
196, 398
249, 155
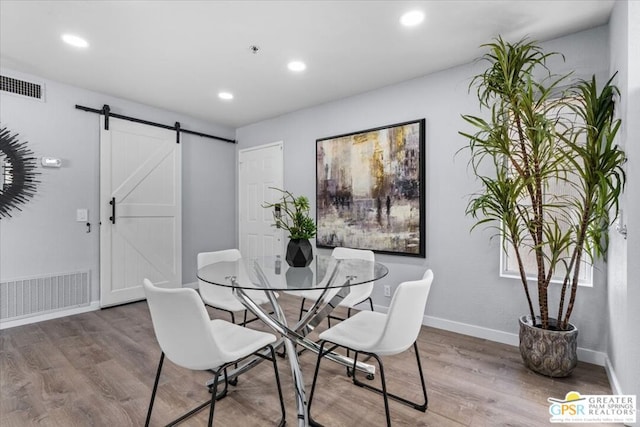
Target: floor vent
39, 295
22, 88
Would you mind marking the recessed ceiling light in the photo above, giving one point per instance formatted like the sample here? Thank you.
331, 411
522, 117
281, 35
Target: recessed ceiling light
412, 18
225, 95
297, 66
75, 40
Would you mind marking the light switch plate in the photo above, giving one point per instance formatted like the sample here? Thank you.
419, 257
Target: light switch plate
82, 215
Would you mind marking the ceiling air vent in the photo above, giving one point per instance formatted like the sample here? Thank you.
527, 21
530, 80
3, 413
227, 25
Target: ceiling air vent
22, 88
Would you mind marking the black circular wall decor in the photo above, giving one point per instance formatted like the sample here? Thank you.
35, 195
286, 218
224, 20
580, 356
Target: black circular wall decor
17, 173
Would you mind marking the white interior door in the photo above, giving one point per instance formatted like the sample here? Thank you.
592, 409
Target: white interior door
259, 168
140, 169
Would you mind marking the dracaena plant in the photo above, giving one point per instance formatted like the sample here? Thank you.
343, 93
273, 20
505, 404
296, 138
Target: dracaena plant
292, 214
550, 172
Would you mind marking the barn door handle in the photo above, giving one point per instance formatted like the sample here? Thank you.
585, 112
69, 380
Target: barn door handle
112, 218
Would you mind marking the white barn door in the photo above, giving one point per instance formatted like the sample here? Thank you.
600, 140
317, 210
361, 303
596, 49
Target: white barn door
141, 233
259, 168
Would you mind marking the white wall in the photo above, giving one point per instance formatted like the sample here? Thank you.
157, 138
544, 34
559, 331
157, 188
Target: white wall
624, 283
45, 239
467, 287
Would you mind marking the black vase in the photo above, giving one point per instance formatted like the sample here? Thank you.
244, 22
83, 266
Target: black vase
299, 253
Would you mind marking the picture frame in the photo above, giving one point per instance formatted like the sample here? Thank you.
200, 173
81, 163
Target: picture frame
370, 190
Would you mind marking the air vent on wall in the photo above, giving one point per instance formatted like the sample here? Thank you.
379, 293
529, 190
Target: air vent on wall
22, 88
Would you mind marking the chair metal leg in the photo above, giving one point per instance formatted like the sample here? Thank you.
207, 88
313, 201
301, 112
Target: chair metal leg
214, 398
420, 407
384, 392
191, 412
277, 375
382, 380
155, 388
212, 407
321, 354
226, 384
214, 390
348, 315
423, 407
210, 403
315, 376
272, 358
302, 310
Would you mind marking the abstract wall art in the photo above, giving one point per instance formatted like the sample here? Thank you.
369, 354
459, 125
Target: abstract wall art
370, 189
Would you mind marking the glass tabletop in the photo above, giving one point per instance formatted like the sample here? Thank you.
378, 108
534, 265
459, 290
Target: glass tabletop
275, 273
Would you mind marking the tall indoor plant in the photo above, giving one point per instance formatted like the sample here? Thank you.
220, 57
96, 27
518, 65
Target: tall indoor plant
550, 177
292, 214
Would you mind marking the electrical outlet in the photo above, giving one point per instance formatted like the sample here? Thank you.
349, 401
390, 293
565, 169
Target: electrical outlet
387, 290
82, 215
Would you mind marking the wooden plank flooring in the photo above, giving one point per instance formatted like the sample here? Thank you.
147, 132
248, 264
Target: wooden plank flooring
97, 369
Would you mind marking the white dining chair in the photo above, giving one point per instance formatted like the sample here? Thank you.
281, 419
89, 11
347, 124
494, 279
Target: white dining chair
377, 334
357, 295
191, 340
222, 297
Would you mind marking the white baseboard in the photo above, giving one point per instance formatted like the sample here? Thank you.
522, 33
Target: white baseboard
592, 356
94, 305
584, 354
472, 330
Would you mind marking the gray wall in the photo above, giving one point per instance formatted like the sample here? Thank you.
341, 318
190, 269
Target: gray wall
467, 287
624, 282
45, 239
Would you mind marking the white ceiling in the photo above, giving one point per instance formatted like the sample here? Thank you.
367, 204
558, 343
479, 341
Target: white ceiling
178, 55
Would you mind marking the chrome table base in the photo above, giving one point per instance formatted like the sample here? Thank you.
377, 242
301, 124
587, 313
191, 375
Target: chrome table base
296, 336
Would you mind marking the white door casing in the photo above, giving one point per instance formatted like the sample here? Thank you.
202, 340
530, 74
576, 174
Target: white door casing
140, 168
259, 169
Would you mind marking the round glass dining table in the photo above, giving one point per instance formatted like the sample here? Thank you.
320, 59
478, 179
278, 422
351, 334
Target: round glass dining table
272, 272
331, 278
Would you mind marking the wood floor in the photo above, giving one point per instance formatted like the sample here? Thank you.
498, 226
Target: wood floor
97, 369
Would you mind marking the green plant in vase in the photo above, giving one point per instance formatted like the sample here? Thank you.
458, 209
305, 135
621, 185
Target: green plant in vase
291, 213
